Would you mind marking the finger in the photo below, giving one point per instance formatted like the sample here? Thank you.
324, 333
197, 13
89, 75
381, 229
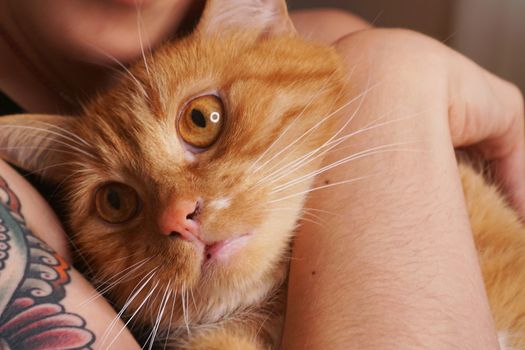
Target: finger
509, 171
487, 112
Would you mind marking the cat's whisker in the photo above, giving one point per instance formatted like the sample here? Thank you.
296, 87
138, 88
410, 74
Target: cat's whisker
193, 299
65, 131
162, 307
134, 293
302, 212
340, 182
261, 325
139, 30
322, 211
114, 280
344, 160
104, 283
336, 164
122, 66
124, 327
171, 318
302, 216
43, 169
360, 178
289, 257
43, 130
359, 96
56, 140
36, 147
303, 135
79, 254
352, 116
283, 159
356, 112
298, 166
185, 312
101, 278
322, 225
309, 157
310, 101
64, 180
315, 216
127, 257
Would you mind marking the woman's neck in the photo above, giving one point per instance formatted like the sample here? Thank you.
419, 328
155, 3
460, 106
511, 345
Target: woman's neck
43, 80
39, 80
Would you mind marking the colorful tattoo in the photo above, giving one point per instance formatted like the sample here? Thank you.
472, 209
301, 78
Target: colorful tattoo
31, 288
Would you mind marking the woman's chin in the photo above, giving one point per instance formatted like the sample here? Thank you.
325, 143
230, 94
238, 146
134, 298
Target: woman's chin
131, 3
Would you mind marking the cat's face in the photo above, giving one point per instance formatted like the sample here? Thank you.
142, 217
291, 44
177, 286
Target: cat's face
187, 180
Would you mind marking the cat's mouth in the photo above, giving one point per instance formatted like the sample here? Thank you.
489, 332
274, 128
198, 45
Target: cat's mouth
222, 250
214, 250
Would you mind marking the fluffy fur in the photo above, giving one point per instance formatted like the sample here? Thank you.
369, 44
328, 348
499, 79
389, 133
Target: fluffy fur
500, 240
279, 94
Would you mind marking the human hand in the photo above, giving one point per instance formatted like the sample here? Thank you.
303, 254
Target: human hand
485, 113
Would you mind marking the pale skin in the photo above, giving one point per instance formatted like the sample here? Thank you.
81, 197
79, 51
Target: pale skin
355, 287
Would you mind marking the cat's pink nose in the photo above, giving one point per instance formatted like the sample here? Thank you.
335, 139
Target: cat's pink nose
179, 220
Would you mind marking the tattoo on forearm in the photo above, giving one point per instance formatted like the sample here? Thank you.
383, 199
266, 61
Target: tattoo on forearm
31, 288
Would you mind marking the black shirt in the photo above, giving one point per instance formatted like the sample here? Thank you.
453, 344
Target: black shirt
7, 106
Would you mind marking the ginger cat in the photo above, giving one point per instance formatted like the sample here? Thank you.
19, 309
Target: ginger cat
174, 181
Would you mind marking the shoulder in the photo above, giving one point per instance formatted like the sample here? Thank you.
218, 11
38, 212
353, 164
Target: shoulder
327, 25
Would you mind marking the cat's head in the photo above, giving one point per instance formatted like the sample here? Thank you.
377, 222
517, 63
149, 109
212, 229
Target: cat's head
187, 179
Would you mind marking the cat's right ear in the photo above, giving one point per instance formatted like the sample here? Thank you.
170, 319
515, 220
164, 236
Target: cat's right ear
38, 143
269, 17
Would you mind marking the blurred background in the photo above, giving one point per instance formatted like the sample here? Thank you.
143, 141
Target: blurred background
491, 32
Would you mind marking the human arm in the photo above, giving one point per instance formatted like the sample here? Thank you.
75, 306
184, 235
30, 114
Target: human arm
396, 266
44, 301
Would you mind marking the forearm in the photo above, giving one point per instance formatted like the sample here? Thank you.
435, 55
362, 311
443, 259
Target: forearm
39, 287
395, 265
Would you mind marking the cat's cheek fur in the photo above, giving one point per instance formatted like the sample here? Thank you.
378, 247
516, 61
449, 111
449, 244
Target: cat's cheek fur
173, 260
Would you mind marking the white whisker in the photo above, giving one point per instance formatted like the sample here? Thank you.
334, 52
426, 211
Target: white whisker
162, 306
116, 279
307, 158
185, 311
26, 127
139, 29
324, 186
65, 131
352, 157
133, 315
171, 318
323, 120
36, 148
310, 101
129, 300
124, 68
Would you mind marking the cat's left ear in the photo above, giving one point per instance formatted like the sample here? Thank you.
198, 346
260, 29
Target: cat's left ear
39, 143
270, 17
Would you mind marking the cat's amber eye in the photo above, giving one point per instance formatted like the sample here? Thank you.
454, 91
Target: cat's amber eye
116, 203
201, 121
